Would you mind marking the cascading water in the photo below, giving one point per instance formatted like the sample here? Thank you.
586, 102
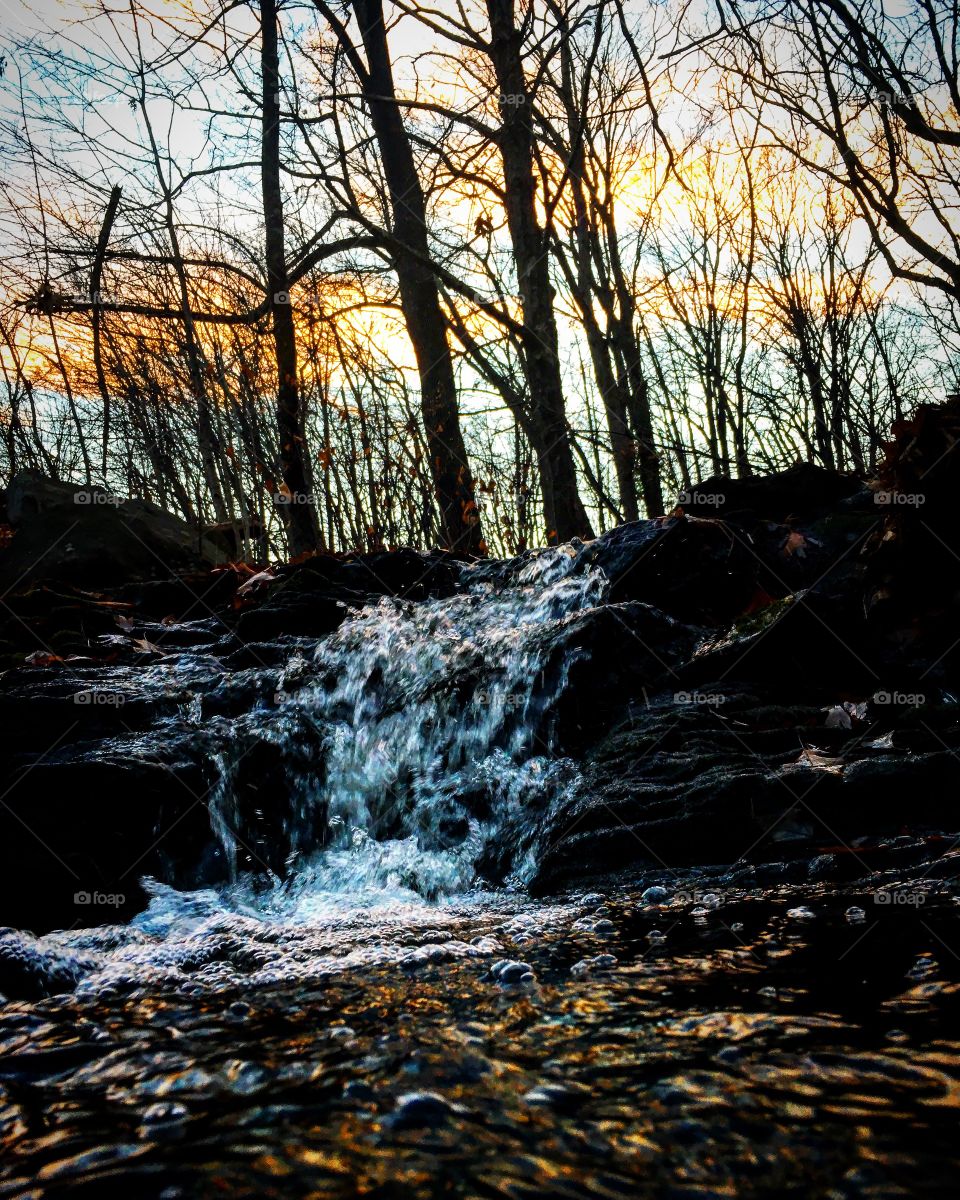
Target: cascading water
426, 728
411, 744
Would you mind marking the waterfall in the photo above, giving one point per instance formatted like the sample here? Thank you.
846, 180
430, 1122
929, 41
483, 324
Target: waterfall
417, 735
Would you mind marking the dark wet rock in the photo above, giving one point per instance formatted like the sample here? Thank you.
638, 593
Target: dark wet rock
691, 568
724, 776
421, 1110
611, 655
712, 571
312, 597
800, 641
823, 866
298, 613
77, 837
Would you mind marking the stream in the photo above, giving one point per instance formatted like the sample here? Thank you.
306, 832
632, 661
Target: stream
371, 1003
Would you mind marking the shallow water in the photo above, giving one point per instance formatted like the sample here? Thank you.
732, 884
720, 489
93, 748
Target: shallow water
725, 1043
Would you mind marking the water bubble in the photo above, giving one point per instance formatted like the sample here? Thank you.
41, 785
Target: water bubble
557, 1096
599, 962
655, 895
509, 973
421, 1110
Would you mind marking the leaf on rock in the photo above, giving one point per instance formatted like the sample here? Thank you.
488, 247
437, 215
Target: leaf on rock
814, 760
838, 718
147, 647
761, 599
256, 581
795, 545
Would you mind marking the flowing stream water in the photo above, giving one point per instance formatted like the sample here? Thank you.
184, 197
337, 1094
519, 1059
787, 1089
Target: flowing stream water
379, 1019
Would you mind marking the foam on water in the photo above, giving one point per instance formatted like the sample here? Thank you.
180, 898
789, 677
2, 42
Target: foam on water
427, 730
415, 737
236, 939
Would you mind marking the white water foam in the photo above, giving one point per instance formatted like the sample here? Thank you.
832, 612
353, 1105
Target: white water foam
431, 723
428, 737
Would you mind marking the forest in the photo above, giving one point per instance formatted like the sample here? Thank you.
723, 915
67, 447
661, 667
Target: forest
483, 276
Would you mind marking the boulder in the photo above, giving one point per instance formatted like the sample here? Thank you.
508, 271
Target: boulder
711, 571
89, 537
803, 490
311, 598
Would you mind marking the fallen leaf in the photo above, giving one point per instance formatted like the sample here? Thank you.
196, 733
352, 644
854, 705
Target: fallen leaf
761, 599
818, 762
838, 718
795, 545
40, 658
125, 623
147, 647
255, 581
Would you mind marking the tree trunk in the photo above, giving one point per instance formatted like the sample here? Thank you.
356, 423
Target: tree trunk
300, 517
96, 276
563, 509
419, 294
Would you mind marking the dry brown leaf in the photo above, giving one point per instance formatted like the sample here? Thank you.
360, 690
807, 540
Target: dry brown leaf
147, 647
40, 658
818, 762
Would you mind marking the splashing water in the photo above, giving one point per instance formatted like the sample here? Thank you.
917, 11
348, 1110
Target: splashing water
418, 739
416, 733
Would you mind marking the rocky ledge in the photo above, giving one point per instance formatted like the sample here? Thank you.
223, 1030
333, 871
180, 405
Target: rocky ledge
770, 687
